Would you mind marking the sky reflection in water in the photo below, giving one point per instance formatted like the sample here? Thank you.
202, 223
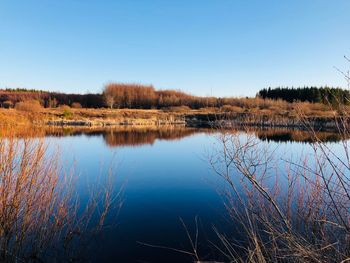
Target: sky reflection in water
166, 178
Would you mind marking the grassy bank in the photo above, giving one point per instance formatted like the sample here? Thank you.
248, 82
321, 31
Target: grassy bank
86, 117
251, 112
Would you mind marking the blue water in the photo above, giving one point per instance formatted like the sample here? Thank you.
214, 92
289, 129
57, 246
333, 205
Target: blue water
163, 181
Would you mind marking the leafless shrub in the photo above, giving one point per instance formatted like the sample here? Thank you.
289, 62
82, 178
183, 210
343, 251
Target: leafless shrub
299, 212
39, 206
76, 105
64, 107
295, 214
29, 106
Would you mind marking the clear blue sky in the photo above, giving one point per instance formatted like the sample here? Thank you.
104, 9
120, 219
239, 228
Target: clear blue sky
223, 47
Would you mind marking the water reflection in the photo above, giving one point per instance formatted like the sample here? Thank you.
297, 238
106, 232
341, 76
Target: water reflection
166, 179
137, 136
288, 135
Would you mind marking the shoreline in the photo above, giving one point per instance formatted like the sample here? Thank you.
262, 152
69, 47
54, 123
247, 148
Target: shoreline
137, 135
196, 118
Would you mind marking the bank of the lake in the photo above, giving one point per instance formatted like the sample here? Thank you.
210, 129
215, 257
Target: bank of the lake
193, 118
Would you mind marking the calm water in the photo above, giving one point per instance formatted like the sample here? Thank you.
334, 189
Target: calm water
166, 177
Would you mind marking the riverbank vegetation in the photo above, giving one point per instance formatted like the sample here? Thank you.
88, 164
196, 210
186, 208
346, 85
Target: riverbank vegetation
13, 119
291, 212
133, 104
41, 217
255, 111
137, 96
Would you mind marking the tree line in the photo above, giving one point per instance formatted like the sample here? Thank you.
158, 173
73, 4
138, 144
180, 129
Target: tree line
119, 95
137, 96
10, 97
325, 95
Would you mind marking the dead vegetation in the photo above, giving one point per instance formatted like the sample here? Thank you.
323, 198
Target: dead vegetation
285, 210
255, 110
29, 106
41, 218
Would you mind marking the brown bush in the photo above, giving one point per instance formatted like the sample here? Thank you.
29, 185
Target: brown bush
64, 107
29, 106
66, 111
76, 105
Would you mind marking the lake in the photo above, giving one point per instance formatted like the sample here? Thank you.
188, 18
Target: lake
166, 180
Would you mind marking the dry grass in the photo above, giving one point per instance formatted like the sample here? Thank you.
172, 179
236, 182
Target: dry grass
254, 111
12, 117
230, 108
